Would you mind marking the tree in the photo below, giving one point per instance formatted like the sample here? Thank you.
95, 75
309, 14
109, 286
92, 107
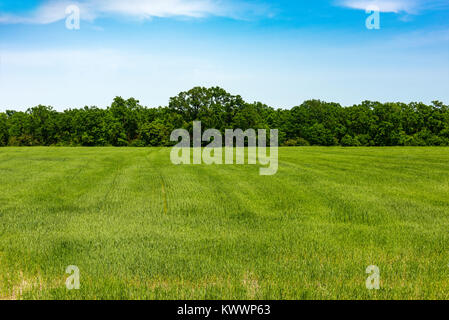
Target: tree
127, 123
156, 133
42, 121
3, 130
126, 114
317, 134
215, 107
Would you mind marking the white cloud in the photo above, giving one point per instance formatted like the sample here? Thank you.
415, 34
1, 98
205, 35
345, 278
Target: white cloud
54, 10
49, 12
395, 6
161, 8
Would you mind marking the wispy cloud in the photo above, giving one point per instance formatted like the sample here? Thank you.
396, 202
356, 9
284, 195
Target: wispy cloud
54, 10
395, 6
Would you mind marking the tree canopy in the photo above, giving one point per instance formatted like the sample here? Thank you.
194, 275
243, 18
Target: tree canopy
314, 122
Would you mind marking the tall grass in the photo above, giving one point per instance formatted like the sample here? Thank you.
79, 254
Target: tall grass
139, 227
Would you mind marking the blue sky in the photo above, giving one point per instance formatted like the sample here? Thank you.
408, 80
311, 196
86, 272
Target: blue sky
278, 52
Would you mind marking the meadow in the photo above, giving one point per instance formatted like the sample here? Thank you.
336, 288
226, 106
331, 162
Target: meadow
139, 227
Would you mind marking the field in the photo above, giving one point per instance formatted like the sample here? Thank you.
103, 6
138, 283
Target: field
138, 227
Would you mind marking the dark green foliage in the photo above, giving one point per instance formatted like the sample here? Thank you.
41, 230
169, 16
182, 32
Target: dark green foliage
3, 129
127, 123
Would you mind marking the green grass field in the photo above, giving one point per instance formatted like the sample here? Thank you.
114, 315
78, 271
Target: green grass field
139, 227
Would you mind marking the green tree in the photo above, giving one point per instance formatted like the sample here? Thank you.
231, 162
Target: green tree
127, 123
3, 130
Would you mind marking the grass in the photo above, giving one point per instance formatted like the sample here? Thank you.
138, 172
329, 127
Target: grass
139, 227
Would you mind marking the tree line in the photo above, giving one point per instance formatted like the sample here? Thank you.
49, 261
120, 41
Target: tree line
314, 122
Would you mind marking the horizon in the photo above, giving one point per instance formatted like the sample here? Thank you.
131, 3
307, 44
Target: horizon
104, 107
279, 53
